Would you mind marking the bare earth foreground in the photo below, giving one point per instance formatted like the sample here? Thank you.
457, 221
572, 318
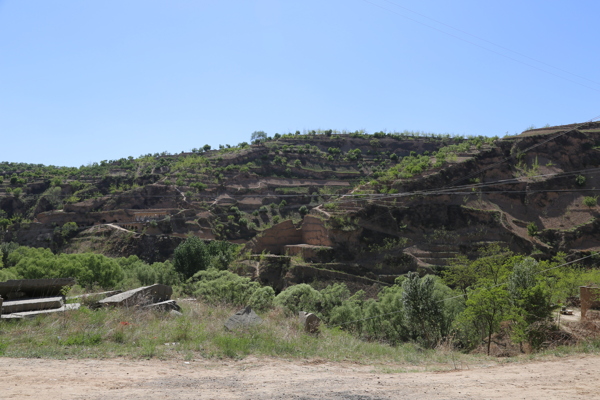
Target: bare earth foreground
574, 377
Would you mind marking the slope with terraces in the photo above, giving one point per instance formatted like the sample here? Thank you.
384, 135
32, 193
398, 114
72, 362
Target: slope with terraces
384, 204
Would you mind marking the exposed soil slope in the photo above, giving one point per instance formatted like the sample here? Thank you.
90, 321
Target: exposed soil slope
386, 204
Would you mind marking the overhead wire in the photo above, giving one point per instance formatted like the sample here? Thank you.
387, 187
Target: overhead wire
483, 47
490, 42
461, 295
497, 285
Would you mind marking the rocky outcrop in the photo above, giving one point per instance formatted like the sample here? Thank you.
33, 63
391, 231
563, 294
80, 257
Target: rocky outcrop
314, 232
310, 252
272, 271
283, 236
274, 239
141, 296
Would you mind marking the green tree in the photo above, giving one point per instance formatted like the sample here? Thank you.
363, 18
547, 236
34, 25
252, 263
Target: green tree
4, 223
523, 277
485, 310
69, 229
462, 274
531, 301
258, 136
422, 308
190, 257
493, 264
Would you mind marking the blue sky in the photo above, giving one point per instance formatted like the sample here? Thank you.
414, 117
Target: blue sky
84, 81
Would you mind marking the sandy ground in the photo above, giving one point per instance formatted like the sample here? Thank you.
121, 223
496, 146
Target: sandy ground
574, 377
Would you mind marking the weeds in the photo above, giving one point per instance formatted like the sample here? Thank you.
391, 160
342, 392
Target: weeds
199, 333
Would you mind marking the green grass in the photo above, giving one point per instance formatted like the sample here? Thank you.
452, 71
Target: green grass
199, 333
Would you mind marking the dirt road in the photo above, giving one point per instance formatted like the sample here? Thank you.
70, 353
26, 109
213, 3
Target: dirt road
574, 377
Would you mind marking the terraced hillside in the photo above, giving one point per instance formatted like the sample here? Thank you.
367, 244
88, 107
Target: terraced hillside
344, 206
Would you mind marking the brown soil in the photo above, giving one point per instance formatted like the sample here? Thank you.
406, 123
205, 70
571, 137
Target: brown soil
573, 377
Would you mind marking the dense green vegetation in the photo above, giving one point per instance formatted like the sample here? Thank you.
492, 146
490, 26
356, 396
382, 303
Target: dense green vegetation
90, 270
466, 305
463, 306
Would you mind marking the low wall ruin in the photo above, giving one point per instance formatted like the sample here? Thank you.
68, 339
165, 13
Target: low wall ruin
590, 299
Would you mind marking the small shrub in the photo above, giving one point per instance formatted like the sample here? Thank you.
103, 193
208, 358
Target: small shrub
218, 287
262, 298
580, 180
532, 229
300, 297
590, 201
82, 339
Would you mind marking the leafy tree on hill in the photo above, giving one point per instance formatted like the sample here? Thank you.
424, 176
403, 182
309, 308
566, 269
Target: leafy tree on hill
258, 136
422, 307
486, 309
195, 255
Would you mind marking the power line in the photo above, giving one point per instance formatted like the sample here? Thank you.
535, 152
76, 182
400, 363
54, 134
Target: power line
490, 42
483, 47
462, 296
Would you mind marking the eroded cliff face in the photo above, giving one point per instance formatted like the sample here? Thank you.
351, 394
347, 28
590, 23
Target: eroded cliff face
487, 195
493, 197
273, 240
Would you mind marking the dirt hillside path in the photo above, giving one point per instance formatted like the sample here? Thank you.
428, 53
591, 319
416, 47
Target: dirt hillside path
574, 377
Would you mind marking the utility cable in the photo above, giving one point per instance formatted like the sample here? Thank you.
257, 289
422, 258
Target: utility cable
483, 47
461, 296
490, 42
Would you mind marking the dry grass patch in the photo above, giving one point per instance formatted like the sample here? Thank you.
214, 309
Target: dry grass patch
199, 333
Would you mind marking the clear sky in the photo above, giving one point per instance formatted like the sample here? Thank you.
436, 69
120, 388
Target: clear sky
90, 80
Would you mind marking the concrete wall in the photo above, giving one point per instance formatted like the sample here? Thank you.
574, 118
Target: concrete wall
590, 299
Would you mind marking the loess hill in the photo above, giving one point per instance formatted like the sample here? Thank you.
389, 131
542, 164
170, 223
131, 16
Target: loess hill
350, 207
